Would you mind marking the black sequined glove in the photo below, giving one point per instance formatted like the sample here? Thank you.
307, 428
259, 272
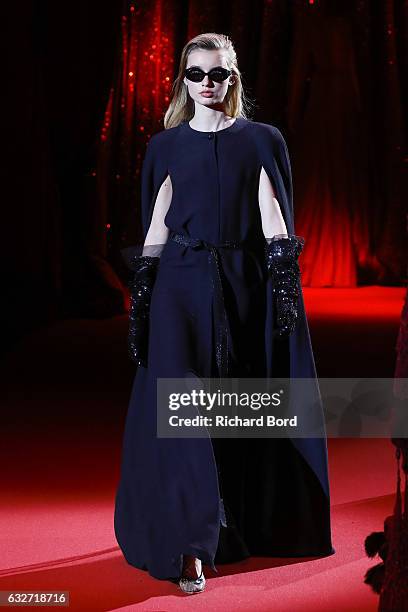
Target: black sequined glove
281, 260
141, 287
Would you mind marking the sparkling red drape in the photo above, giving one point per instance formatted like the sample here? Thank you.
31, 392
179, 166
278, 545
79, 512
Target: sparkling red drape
138, 97
73, 207
327, 74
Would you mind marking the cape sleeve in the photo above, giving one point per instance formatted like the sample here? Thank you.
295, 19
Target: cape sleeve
295, 355
274, 155
154, 171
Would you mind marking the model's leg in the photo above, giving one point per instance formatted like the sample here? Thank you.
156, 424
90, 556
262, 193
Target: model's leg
192, 579
191, 566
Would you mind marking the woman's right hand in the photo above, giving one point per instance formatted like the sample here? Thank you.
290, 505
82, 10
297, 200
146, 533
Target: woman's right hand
141, 288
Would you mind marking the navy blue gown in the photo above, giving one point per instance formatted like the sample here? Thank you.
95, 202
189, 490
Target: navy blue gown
211, 314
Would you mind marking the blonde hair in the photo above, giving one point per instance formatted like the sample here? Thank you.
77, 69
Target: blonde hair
181, 107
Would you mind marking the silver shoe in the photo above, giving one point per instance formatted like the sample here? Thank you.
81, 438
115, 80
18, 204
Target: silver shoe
192, 585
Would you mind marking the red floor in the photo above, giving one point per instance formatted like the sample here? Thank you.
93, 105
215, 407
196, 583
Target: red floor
67, 390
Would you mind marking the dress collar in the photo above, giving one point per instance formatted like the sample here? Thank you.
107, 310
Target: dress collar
239, 123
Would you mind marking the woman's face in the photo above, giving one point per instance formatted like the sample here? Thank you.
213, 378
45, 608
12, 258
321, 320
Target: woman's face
206, 60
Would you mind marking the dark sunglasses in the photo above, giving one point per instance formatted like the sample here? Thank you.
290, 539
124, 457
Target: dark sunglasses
217, 74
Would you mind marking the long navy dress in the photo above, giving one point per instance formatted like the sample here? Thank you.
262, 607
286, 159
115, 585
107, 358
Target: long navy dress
221, 500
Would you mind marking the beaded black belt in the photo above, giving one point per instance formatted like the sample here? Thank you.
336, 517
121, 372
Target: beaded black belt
221, 319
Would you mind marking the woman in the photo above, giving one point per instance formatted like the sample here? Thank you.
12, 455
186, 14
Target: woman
216, 292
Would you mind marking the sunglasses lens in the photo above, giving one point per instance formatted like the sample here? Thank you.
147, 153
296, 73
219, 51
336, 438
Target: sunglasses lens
218, 75
195, 74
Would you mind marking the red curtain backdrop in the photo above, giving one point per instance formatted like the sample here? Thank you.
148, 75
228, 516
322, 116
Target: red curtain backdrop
347, 144
328, 75
86, 84
140, 91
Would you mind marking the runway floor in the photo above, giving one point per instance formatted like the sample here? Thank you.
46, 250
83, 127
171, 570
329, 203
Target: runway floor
65, 393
